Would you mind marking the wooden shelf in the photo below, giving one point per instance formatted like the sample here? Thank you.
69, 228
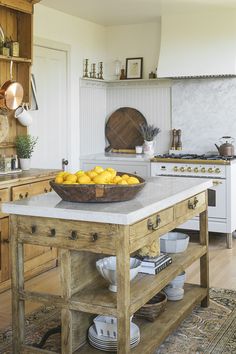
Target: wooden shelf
15, 59
97, 299
7, 145
154, 333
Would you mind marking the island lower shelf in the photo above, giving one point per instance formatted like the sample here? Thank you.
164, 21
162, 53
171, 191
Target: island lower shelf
97, 299
153, 333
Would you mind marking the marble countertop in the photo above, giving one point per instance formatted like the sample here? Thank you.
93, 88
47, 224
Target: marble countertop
111, 156
159, 193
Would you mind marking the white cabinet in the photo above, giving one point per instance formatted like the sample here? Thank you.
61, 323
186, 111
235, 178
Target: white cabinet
131, 165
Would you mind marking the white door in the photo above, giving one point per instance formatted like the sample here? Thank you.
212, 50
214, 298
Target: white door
50, 122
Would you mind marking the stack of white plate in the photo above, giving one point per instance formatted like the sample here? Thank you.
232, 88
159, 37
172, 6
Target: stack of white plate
109, 344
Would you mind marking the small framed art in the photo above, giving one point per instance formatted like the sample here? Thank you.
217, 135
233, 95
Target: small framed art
134, 68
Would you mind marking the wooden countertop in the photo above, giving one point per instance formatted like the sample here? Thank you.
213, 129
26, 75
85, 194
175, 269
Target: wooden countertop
24, 176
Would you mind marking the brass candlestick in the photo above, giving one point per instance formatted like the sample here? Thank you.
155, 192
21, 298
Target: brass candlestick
85, 68
100, 74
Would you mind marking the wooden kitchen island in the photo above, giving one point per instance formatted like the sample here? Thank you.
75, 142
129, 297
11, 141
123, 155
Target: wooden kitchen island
84, 233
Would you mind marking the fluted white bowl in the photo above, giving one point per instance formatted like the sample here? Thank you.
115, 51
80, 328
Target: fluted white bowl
107, 268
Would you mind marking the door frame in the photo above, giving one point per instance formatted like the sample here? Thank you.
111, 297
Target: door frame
50, 44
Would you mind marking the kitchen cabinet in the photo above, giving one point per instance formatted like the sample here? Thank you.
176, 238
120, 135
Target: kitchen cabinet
16, 18
84, 291
132, 164
37, 259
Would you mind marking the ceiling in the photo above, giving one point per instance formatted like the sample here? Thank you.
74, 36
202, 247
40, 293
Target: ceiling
121, 12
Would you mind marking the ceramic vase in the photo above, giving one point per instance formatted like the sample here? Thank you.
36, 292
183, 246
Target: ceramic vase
25, 164
148, 148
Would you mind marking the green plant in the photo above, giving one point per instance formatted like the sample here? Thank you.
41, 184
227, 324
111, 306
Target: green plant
25, 146
148, 131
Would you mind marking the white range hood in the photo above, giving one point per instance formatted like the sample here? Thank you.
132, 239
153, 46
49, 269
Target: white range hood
200, 45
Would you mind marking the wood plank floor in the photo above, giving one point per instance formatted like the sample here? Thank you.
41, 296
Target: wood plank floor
222, 275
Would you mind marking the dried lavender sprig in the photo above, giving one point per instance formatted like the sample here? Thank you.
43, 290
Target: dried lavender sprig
148, 131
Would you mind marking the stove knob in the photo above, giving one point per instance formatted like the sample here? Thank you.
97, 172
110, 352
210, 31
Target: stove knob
195, 169
182, 169
217, 170
210, 170
203, 169
175, 169
189, 169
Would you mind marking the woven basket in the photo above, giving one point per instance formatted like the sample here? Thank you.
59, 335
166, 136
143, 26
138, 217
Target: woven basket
153, 308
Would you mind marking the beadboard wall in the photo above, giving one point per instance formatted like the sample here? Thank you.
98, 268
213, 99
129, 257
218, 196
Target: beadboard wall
99, 100
205, 110
92, 115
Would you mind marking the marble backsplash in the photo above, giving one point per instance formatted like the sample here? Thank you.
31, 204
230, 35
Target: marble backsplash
205, 110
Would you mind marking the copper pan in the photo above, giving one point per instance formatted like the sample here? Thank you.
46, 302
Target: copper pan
11, 93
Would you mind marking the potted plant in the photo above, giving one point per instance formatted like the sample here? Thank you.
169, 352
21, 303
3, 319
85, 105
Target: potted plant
149, 132
24, 147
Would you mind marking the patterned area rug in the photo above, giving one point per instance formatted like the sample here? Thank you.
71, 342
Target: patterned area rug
209, 330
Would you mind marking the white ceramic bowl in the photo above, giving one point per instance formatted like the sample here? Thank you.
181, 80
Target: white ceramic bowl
107, 268
174, 294
174, 242
178, 282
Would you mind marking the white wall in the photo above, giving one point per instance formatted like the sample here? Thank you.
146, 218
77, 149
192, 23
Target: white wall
86, 40
130, 41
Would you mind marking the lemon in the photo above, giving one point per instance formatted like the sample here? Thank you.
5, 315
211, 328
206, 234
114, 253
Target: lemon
65, 175
84, 179
106, 175
125, 177
116, 179
71, 178
100, 179
60, 174
79, 173
112, 171
68, 182
98, 169
133, 180
122, 182
59, 179
91, 174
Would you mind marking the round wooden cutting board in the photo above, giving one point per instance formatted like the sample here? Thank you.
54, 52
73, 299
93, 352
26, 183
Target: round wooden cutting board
122, 129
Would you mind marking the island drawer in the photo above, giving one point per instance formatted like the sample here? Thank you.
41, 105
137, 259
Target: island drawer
77, 235
189, 205
30, 189
4, 197
151, 224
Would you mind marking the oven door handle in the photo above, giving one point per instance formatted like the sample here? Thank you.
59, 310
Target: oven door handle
216, 183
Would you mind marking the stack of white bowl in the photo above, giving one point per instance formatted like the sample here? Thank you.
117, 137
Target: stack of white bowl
175, 289
103, 334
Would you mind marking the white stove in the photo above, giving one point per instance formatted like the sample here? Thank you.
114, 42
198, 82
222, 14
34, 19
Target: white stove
221, 197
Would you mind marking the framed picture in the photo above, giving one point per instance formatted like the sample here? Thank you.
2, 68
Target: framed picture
134, 68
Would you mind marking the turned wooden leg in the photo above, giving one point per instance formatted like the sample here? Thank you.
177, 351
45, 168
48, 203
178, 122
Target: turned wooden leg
229, 240
123, 292
204, 260
18, 306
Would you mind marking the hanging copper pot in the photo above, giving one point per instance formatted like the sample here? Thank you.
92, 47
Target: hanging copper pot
11, 93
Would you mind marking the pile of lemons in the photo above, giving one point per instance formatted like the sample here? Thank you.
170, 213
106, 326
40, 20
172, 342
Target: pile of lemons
96, 176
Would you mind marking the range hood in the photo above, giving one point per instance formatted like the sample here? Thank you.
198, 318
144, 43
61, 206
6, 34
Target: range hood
201, 45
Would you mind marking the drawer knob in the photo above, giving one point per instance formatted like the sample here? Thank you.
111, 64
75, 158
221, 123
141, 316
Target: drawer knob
73, 235
45, 190
94, 236
33, 229
151, 225
0, 199
193, 204
21, 196
26, 194
53, 232
50, 189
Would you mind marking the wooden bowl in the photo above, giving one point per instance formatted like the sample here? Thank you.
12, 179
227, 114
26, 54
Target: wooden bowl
98, 193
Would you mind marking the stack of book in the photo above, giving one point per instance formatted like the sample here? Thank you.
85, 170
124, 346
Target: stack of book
155, 265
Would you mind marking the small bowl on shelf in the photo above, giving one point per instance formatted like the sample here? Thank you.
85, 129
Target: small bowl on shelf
107, 268
174, 242
153, 308
173, 294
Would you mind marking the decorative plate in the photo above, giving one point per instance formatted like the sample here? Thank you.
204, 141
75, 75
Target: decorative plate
4, 127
